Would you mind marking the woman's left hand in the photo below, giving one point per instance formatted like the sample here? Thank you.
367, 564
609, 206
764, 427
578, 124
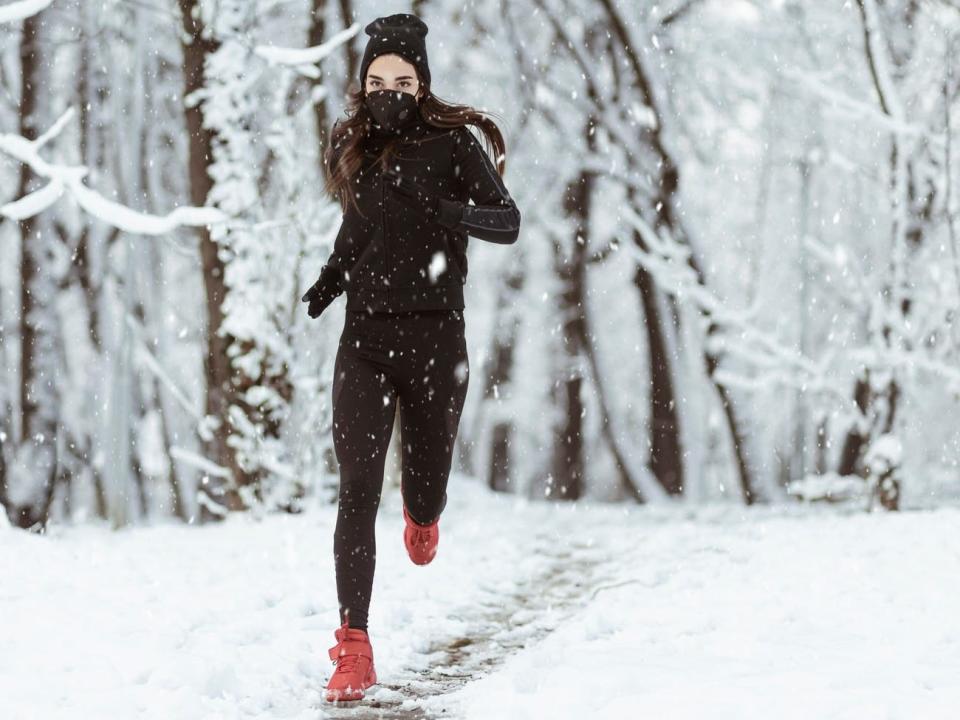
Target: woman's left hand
427, 203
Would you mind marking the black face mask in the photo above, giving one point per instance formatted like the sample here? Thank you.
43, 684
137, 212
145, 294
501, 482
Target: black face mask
392, 109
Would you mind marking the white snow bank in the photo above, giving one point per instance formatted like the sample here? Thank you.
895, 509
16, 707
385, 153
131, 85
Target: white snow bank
801, 616
234, 620
720, 612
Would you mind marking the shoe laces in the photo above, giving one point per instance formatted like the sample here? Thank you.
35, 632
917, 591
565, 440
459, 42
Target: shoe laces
347, 663
422, 536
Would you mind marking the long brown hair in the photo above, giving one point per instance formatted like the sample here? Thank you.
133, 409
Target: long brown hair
350, 132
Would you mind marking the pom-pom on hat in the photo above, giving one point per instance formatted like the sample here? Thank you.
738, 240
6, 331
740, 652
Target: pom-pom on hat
402, 34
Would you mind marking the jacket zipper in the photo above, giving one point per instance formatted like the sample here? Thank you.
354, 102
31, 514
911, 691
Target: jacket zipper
383, 226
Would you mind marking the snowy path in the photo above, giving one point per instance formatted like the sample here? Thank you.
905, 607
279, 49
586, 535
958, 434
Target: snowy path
498, 625
234, 620
530, 610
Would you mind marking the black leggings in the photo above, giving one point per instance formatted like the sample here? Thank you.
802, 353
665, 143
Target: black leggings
420, 358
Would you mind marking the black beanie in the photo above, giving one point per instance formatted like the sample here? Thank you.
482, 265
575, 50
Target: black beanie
402, 34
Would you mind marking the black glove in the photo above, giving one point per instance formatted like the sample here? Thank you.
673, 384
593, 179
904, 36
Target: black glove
427, 203
323, 291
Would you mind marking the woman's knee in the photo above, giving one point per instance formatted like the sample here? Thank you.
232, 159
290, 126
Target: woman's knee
358, 498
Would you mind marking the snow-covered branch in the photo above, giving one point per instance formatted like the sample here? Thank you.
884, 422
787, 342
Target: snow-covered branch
153, 364
666, 262
22, 9
67, 178
863, 110
304, 60
201, 463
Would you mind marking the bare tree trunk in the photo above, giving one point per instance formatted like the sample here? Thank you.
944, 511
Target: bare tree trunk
912, 214
566, 476
219, 386
6, 421
39, 328
666, 462
179, 509
567, 471
500, 376
348, 14
660, 209
316, 35
880, 408
5, 435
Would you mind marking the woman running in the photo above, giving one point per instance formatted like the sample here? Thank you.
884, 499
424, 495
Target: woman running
404, 166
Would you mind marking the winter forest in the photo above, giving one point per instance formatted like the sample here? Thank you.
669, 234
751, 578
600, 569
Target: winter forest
707, 465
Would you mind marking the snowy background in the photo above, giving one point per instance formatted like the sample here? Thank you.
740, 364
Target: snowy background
708, 463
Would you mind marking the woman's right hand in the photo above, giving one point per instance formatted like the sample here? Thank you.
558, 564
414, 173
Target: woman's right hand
323, 292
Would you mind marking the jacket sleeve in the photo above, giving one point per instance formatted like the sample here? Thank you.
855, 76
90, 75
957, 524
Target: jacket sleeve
329, 284
494, 216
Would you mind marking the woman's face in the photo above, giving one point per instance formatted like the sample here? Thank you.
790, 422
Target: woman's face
392, 72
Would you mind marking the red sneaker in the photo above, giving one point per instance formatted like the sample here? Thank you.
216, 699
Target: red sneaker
353, 657
421, 540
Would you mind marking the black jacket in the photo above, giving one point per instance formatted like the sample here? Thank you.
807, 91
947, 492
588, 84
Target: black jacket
394, 253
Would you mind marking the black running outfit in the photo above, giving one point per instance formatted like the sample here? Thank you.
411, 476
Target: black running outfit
403, 338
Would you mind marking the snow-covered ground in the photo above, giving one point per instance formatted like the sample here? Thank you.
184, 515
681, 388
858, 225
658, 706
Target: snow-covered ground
530, 610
